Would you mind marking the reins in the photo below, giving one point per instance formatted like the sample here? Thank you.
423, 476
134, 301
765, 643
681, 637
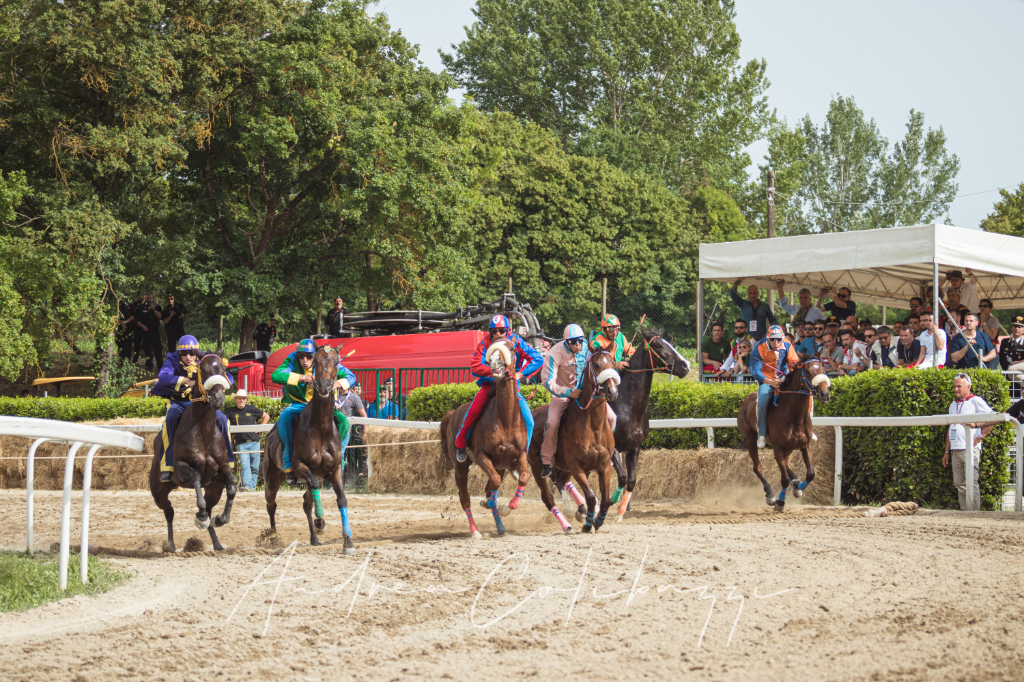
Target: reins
598, 391
199, 378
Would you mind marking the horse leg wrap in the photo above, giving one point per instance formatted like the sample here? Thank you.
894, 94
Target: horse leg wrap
318, 507
472, 523
492, 501
601, 517
576, 494
617, 495
561, 519
346, 529
782, 495
590, 518
803, 485
514, 502
624, 504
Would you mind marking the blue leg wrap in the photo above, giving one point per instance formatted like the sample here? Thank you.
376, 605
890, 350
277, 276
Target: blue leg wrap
346, 529
803, 485
601, 517
782, 495
590, 518
492, 502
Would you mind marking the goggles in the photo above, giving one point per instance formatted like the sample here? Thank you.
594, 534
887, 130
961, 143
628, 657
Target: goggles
189, 351
577, 340
305, 356
499, 330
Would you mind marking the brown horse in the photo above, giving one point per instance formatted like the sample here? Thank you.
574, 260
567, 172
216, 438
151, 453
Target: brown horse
789, 426
585, 442
200, 455
316, 452
496, 444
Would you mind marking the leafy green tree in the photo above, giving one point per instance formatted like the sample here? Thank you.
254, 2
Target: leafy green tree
652, 86
1007, 216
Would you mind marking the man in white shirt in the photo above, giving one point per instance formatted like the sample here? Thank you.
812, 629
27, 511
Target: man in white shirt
968, 290
805, 312
851, 364
965, 403
933, 340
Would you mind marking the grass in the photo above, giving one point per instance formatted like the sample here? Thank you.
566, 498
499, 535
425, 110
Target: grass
30, 581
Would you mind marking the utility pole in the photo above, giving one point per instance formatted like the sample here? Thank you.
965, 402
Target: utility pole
771, 225
604, 298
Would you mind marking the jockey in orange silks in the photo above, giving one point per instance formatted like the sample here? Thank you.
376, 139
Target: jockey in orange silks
770, 361
526, 362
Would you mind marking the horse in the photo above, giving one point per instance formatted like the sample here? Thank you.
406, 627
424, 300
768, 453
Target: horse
585, 443
200, 455
633, 425
316, 453
789, 426
496, 444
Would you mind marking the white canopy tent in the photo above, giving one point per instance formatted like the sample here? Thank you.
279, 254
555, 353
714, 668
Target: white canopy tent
882, 267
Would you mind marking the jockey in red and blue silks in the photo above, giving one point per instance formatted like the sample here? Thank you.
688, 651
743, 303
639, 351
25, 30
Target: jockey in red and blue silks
527, 360
178, 382
770, 361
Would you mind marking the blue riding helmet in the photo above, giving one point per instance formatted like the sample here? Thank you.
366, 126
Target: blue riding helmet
500, 322
306, 346
187, 342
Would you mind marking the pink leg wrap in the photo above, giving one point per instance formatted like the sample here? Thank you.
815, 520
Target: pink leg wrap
472, 524
575, 494
624, 502
561, 519
514, 502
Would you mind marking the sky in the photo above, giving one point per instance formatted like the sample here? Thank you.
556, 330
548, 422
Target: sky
957, 62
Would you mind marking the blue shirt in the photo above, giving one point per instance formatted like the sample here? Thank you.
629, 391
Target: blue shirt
758, 318
810, 347
982, 346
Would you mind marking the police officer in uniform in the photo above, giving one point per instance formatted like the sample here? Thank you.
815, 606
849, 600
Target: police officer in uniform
174, 322
125, 326
1011, 349
147, 335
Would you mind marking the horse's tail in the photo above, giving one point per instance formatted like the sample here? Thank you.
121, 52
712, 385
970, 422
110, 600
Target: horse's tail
445, 463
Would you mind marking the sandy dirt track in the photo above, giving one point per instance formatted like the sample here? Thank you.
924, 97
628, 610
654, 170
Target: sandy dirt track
934, 596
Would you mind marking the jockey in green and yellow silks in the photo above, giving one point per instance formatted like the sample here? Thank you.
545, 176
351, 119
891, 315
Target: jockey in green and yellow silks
612, 340
296, 375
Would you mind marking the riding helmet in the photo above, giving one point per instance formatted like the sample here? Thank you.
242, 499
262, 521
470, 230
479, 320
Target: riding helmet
572, 331
306, 346
775, 332
188, 342
500, 322
610, 321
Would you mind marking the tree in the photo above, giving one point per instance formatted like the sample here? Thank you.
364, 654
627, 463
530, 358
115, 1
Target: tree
1007, 216
652, 86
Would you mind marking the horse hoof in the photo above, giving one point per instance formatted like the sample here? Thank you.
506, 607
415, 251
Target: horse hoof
619, 518
797, 492
350, 549
219, 547
586, 529
319, 525
780, 506
581, 517
218, 521
202, 524
569, 530
504, 510
314, 541
475, 535
483, 503
515, 474
770, 501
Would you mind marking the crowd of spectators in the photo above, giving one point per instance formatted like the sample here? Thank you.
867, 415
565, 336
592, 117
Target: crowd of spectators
968, 336
139, 326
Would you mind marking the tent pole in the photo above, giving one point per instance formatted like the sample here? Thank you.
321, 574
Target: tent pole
884, 310
700, 325
935, 312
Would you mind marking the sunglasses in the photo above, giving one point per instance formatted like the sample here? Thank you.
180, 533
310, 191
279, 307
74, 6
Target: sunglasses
500, 330
842, 296
575, 342
305, 356
984, 305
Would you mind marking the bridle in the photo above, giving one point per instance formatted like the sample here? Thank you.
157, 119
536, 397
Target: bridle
801, 367
599, 391
204, 394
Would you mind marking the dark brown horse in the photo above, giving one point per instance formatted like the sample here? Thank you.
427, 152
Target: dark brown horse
200, 455
585, 443
633, 425
789, 426
316, 452
497, 443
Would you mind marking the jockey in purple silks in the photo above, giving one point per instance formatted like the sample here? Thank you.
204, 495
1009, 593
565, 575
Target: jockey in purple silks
526, 361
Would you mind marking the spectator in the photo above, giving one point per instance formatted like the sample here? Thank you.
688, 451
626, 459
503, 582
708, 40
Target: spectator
865, 325
813, 344
714, 348
933, 341
174, 322
841, 306
850, 363
956, 444
871, 353
965, 348
358, 389
790, 339
914, 322
916, 306
756, 312
908, 349
805, 312
246, 443
1011, 350
831, 355
388, 404
953, 323
886, 349
265, 335
897, 326
335, 318
989, 323
348, 402
147, 332
953, 302
125, 327
739, 330
807, 330
736, 363
967, 292
25, 393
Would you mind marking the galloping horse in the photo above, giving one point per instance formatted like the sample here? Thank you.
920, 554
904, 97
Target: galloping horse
316, 452
585, 442
789, 426
633, 425
497, 443
200, 455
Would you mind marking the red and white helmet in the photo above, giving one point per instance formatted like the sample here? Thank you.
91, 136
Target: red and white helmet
500, 322
776, 332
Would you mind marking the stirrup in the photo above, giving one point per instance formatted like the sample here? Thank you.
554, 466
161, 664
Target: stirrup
546, 471
166, 476
460, 455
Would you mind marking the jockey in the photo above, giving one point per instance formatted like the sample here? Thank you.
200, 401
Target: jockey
564, 369
527, 361
177, 381
296, 375
770, 361
612, 340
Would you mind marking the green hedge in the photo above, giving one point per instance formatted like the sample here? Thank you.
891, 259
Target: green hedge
83, 409
885, 464
691, 400
431, 403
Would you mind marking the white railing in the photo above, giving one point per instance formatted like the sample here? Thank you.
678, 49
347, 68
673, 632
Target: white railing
43, 430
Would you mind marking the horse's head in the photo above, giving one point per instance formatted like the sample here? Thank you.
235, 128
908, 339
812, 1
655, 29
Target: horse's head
814, 376
325, 370
214, 376
606, 378
499, 359
675, 363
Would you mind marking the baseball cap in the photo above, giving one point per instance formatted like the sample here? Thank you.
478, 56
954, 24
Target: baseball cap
241, 393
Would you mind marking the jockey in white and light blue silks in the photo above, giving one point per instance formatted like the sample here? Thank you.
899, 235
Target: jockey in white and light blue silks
771, 359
